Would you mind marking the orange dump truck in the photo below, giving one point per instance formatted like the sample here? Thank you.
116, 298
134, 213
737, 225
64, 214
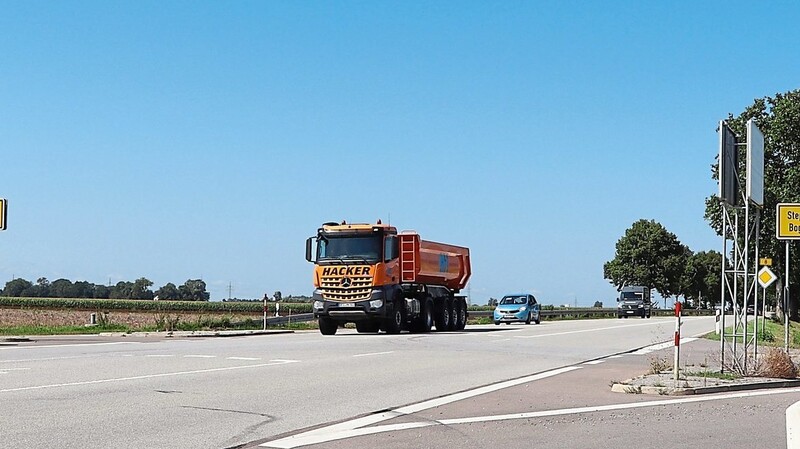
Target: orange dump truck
370, 275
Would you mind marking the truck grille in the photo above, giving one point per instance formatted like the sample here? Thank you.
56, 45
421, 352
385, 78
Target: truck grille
360, 288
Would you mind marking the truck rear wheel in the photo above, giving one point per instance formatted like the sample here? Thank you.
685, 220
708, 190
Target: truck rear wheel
327, 326
460, 314
443, 317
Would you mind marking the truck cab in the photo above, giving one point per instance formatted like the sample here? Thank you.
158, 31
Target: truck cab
634, 301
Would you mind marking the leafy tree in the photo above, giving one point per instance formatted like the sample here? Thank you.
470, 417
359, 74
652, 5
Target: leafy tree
83, 289
122, 290
702, 284
62, 288
40, 290
779, 119
101, 292
168, 292
194, 290
598, 304
648, 255
15, 287
141, 289
277, 296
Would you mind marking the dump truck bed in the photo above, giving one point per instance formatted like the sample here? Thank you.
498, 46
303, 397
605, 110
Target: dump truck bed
426, 262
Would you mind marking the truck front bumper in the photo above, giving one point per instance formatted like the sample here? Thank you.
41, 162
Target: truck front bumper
373, 308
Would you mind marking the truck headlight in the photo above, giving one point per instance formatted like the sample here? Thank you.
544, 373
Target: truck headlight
318, 305
376, 303
619, 305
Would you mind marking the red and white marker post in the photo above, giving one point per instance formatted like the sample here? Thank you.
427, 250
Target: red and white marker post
677, 340
266, 309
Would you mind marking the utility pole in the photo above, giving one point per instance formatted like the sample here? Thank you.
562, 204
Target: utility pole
230, 289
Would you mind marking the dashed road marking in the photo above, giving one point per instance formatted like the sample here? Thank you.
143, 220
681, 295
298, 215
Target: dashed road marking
149, 376
251, 359
373, 353
159, 355
199, 356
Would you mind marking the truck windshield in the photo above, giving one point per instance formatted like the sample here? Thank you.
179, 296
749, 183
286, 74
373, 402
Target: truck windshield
630, 296
366, 247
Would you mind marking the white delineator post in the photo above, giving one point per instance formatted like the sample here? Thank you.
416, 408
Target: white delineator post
716, 325
677, 340
265, 312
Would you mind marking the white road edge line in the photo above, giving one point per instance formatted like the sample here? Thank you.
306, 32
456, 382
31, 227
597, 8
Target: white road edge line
349, 433
665, 345
343, 430
148, 376
72, 345
594, 362
373, 353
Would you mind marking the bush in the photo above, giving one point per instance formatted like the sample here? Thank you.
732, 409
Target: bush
778, 364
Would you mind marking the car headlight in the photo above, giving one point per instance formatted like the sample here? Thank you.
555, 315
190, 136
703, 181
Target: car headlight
641, 305
523, 308
376, 303
318, 305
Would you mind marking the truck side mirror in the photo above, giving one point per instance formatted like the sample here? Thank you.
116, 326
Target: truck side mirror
308, 249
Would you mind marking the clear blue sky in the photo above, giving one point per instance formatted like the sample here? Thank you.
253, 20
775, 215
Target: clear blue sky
178, 140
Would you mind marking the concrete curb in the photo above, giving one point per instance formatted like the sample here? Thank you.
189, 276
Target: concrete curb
630, 388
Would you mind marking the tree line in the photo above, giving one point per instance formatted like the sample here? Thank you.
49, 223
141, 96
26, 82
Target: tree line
651, 256
191, 290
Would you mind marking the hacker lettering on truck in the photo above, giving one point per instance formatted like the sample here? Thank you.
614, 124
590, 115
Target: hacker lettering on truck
346, 271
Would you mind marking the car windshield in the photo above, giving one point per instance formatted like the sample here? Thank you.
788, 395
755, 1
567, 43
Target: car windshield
514, 300
367, 247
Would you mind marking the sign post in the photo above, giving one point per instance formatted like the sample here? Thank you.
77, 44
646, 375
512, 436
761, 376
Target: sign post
265, 311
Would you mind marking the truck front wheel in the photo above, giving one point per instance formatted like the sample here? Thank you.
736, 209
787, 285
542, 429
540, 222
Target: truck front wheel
327, 326
394, 322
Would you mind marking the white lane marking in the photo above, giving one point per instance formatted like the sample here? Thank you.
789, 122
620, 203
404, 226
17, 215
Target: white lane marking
349, 433
665, 345
615, 356
45, 359
373, 353
199, 356
594, 362
6, 370
72, 345
249, 359
344, 429
150, 376
160, 355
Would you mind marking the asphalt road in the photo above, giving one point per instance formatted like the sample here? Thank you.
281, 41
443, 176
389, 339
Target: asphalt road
225, 392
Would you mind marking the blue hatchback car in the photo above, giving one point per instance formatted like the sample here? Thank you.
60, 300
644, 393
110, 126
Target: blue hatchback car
517, 308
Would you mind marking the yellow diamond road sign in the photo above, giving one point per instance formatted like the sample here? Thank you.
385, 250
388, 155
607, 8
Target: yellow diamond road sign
766, 277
